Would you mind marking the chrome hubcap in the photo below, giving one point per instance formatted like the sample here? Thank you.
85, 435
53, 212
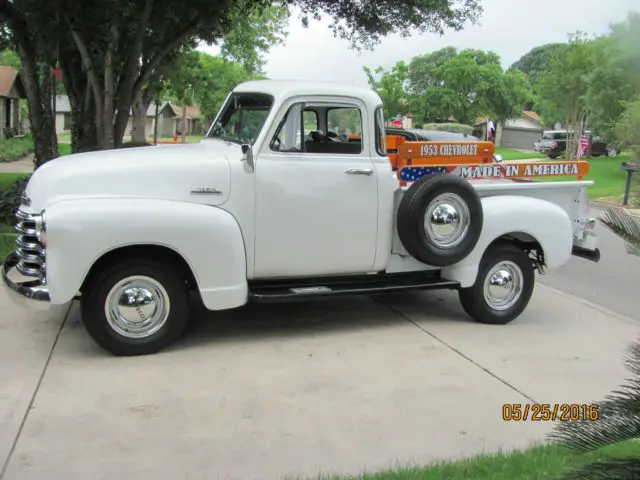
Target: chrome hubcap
446, 220
137, 307
503, 285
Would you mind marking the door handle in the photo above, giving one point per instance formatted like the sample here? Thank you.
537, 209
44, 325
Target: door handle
359, 171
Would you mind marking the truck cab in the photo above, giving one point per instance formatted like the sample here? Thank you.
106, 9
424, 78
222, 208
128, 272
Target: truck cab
291, 193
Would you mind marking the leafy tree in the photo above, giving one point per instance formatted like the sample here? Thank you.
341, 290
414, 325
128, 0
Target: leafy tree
253, 35
537, 61
615, 79
423, 69
628, 129
111, 50
466, 84
390, 86
562, 91
10, 58
218, 77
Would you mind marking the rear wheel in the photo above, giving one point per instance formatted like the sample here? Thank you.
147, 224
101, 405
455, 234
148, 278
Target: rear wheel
503, 287
553, 156
135, 307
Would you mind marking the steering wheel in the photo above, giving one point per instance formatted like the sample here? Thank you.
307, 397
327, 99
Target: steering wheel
319, 136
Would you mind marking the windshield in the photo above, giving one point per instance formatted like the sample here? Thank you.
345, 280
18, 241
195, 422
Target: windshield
242, 117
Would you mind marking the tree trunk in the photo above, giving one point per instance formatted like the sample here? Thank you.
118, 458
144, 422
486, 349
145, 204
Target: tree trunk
139, 108
36, 77
155, 123
184, 121
84, 133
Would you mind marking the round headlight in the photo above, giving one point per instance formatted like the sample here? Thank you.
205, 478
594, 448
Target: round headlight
41, 228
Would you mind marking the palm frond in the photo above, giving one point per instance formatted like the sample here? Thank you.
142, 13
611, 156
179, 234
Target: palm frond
614, 469
586, 435
625, 226
618, 415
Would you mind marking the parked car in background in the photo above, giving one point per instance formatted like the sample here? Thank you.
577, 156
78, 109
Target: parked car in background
419, 135
554, 143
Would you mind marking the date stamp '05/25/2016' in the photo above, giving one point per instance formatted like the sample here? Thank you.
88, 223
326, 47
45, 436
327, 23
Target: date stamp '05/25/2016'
544, 412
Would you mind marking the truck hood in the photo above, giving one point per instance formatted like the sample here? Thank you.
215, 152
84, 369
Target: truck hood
168, 172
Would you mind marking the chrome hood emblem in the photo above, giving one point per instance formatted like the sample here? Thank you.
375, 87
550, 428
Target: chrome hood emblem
206, 191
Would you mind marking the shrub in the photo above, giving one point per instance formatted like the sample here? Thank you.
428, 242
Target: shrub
10, 200
12, 149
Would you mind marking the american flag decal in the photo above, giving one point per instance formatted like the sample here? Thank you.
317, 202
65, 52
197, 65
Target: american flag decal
492, 170
411, 174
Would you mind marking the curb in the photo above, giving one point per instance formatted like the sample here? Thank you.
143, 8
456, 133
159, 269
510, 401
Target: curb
635, 211
589, 304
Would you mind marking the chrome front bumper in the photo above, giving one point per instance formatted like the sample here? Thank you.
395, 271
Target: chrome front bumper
29, 293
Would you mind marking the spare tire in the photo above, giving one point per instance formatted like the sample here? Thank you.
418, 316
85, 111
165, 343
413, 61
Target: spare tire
440, 219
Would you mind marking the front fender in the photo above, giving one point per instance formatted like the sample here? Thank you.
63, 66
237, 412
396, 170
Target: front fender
208, 239
546, 222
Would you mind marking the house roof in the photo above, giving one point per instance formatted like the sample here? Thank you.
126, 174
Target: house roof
192, 112
527, 114
532, 115
8, 78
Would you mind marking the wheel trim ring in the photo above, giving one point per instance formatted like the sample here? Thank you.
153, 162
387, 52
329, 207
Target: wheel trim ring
149, 325
510, 290
462, 225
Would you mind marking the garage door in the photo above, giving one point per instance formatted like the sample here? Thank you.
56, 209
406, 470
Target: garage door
520, 138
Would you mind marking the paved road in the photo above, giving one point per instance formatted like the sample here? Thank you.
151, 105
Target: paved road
614, 282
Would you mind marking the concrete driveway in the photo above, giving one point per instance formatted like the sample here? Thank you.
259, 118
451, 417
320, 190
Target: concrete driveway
296, 388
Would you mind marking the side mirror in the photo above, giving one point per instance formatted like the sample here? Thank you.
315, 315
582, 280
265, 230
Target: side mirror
247, 153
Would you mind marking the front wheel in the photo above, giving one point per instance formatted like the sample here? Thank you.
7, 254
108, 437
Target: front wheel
503, 287
135, 307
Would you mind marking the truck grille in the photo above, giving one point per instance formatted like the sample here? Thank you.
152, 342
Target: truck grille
30, 251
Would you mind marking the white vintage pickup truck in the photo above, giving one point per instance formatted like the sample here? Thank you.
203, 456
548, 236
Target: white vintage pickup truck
290, 194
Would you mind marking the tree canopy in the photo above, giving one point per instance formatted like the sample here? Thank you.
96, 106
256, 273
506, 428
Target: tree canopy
537, 61
110, 51
465, 84
592, 80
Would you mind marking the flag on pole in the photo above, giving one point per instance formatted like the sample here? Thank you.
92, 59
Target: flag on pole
583, 145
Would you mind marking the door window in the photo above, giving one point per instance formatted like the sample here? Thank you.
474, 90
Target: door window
301, 130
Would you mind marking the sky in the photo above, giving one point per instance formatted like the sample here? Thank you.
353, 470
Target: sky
508, 27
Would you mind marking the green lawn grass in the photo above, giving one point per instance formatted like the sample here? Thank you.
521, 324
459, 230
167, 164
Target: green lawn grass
511, 154
609, 180
7, 240
7, 179
535, 463
12, 149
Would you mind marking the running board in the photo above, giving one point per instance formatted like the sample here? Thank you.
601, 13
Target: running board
265, 290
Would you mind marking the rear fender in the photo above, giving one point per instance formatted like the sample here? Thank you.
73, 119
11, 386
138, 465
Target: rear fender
207, 238
546, 222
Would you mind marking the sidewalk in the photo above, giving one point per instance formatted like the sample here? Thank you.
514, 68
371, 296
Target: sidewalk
19, 166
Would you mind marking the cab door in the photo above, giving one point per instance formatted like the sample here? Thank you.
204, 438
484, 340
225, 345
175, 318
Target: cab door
316, 209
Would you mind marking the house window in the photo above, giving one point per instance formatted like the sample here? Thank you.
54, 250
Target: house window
67, 121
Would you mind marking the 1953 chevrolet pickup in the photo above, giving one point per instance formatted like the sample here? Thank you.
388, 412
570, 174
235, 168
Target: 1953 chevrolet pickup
292, 193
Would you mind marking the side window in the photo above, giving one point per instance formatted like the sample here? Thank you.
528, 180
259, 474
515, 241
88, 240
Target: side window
344, 131
310, 120
302, 130
381, 136
297, 122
